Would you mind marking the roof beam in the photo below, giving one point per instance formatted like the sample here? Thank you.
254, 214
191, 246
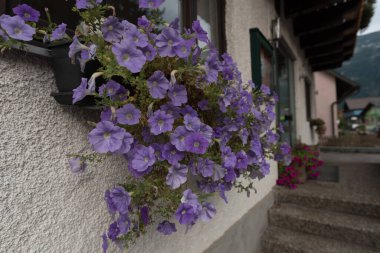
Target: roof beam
328, 36
293, 8
327, 18
332, 65
326, 58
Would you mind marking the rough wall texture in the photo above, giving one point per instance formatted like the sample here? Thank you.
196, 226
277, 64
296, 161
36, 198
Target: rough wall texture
326, 95
241, 15
44, 208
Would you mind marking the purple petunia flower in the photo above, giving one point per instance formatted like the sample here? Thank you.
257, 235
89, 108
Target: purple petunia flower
188, 110
160, 122
17, 29
109, 89
106, 115
229, 158
158, 85
127, 55
75, 47
106, 137
105, 243
158, 148
144, 213
285, 148
124, 223
151, 4
77, 164
203, 105
219, 172
150, 52
196, 143
58, 32
171, 109
166, 41
128, 115
144, 23
188, 197
185, 214
86, 55
183, 49
230, 175
84, 4
206, 167
177, 138
200, 33
81, 4
271, 137
244, 134
265, 168
133, 34
117, 199
126, 144
113, 231
212, 68
192, 123
26, 12
166, 228
171, 154
208, 212
241, 160
177, 176
178, 95
175, 24
112, 29
142, 158
81, 91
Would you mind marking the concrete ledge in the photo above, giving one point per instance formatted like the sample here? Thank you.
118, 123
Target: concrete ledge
368, 150
245, 235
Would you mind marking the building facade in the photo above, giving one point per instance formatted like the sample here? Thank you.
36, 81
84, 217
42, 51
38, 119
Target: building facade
45, 208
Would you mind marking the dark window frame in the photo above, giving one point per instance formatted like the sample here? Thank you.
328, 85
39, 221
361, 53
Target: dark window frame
308, 99
189, 15
188, 12
258, 42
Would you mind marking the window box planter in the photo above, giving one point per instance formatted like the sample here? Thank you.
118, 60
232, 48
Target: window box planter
67, 75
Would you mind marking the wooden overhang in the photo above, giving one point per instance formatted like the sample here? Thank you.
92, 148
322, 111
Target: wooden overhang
326, 29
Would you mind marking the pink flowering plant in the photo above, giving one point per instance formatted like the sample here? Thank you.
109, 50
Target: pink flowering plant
180, 115
305, 159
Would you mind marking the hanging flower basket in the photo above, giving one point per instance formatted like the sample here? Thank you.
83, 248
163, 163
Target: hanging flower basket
172, 109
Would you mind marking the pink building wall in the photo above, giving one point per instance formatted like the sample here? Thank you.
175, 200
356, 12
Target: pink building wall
325, 89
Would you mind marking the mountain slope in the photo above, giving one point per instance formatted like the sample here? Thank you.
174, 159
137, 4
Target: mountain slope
364, 66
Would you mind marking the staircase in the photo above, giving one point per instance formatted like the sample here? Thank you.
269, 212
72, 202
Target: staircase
320, 218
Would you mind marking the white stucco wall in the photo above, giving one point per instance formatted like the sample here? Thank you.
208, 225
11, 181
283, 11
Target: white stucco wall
45, 208
326, 95
241, 15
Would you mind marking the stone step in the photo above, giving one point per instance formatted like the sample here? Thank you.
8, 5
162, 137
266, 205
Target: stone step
278, 240
344, 227
326, 197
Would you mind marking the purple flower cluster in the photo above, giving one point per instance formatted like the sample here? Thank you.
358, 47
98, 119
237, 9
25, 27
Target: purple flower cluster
173, 108
16, 28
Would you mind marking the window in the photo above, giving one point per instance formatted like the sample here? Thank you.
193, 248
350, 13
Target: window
308, 99
261, 59
209, 12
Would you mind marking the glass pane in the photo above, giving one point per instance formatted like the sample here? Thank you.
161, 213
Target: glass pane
207, 13
284, 96
60, 10
171, 10
266, 67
